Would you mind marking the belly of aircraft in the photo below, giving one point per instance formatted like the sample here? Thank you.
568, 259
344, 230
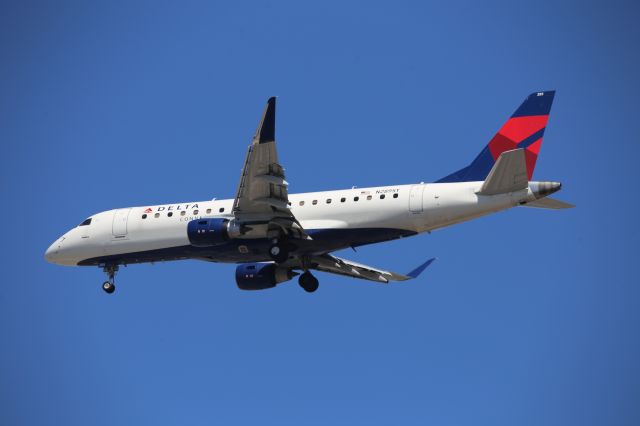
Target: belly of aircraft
256, 250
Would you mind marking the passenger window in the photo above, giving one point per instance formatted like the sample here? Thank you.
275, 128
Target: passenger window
328, 200
208, 211
368, 197
382, 196
342, 200
182, 213
156, 215
195, 212
221, 210
395, 195
170, 214
86, 222
144, 216
314, 202
356, 198
301, 203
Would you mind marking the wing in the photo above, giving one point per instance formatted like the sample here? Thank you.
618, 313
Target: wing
262, 196
335, 265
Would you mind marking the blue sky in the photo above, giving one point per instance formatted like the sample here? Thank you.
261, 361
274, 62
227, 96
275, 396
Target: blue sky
529, 317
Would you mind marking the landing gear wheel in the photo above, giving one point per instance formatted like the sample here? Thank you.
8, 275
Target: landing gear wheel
308, 282
278, 253
108, 287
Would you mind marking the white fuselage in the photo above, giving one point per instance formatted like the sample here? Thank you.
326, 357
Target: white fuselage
413, 208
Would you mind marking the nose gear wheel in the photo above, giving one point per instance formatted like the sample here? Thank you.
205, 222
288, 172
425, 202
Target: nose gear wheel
109, 286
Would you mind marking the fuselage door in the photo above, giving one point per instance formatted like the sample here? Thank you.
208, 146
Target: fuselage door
120, 219
415, 198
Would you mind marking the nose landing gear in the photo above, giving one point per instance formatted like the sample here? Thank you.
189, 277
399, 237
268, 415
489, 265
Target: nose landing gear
109, 286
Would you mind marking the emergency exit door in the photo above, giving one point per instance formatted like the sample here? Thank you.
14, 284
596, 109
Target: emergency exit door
415, 198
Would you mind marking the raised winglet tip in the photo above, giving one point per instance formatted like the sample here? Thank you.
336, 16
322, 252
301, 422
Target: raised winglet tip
266, 131
416, 272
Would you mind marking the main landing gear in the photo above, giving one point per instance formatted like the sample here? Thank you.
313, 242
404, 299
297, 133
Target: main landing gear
109, 286
308, 282
278, 251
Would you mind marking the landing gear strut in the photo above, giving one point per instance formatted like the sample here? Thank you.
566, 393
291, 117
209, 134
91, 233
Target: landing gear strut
278, 252
308, 282
109, 286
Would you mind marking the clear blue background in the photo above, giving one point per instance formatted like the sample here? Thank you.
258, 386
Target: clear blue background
529, 317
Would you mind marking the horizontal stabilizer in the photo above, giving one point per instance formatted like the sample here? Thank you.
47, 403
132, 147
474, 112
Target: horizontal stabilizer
548, 203
509, 174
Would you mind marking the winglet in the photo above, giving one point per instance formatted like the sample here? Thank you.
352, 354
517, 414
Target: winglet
419, 269
266, 131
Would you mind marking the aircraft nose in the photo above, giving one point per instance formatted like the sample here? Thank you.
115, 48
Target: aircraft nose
51, 255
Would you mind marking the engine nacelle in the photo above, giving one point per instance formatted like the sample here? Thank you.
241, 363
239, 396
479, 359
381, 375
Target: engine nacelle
260, 276
212, 231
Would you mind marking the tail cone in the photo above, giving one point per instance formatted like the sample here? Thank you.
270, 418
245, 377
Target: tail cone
543, 189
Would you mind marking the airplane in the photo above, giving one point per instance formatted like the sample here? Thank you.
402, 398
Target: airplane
274, 236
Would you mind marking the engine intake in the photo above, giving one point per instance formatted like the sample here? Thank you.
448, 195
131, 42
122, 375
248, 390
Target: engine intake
212, 232
261, 276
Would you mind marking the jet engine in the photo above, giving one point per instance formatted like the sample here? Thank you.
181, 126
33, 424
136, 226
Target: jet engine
260, 276
212, 232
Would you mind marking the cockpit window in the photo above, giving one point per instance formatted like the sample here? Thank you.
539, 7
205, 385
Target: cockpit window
86, 222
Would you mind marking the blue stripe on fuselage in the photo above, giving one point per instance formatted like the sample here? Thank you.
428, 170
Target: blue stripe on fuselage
323, 241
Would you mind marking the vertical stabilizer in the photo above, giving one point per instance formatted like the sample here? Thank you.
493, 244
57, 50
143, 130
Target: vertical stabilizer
524, 129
